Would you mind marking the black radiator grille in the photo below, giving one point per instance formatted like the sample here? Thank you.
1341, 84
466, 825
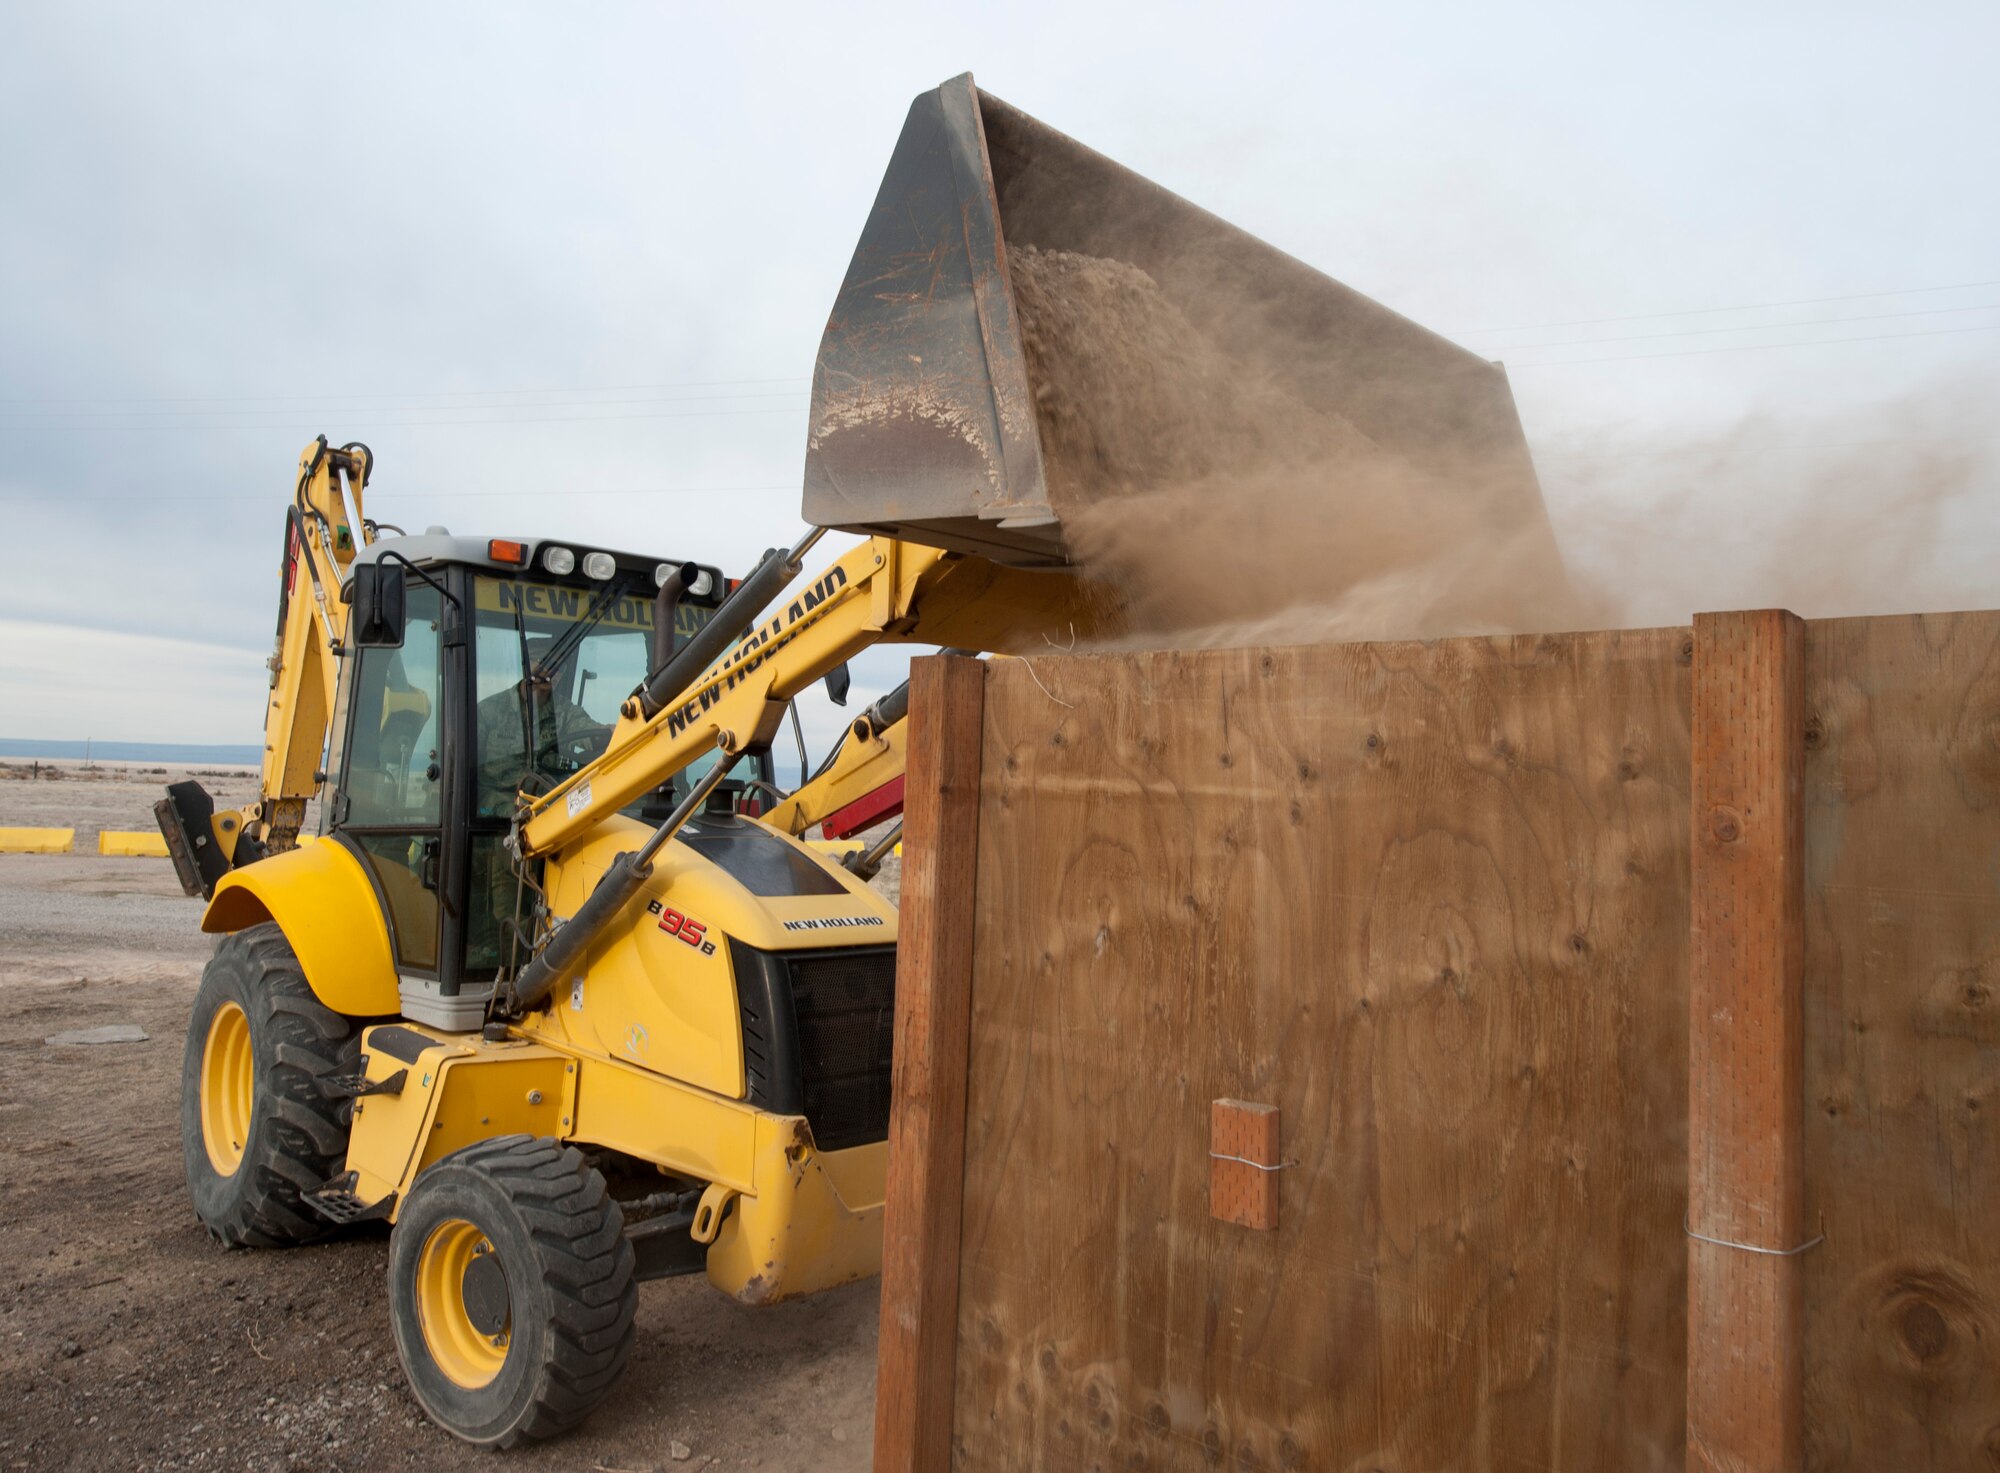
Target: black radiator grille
846, 1008
817, 1031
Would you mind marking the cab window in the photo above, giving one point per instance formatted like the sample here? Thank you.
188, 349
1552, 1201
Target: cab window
392, 751
553, 664
390, 789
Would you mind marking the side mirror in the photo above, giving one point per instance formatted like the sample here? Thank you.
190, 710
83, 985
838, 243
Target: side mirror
839, 680
378, 594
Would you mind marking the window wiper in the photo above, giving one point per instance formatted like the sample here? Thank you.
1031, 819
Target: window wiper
528, 705
570, 638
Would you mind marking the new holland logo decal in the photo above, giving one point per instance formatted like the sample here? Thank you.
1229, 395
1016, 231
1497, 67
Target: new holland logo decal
750, 654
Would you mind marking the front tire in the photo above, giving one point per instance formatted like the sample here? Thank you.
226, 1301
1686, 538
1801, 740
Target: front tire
256, 1129
510, 1290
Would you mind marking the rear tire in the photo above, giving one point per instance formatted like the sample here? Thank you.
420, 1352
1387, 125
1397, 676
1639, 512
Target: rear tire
510, 1290
256, 1130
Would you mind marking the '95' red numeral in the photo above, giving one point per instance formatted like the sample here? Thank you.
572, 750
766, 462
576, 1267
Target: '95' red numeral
676, 924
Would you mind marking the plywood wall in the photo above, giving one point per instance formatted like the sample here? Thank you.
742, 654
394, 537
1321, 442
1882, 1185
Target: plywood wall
1902, 1057
1431, 902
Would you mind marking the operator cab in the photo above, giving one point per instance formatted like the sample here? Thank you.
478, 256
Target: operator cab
483, 669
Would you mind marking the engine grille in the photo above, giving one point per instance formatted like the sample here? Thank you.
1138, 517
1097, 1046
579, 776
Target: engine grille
818, 1029
845, 1003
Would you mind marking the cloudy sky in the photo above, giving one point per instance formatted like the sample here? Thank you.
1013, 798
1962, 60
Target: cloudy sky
565, 270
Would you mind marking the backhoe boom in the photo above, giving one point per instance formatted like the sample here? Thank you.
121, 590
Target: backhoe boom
320, 543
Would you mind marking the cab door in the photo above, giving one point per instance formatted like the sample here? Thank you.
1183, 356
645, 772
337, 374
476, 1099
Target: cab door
392, 801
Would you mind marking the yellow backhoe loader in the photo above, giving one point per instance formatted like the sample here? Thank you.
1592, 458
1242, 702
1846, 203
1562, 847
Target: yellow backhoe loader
560, 989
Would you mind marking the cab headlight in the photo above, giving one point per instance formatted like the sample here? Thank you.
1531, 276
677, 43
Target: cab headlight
599, 565
558, 560
701, 585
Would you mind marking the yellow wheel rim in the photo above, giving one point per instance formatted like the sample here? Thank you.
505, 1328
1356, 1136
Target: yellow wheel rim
470, 1356
226, 1076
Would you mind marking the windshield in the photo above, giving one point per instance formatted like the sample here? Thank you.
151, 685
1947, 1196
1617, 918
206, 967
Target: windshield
552, 663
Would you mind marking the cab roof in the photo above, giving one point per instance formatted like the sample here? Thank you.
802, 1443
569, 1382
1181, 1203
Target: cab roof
436, 545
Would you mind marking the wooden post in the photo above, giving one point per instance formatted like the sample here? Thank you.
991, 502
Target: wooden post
1746, 1046
916, 1361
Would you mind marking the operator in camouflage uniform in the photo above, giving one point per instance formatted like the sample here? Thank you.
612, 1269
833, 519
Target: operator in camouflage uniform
565, 737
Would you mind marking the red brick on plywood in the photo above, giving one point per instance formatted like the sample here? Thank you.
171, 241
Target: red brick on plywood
1243, 1190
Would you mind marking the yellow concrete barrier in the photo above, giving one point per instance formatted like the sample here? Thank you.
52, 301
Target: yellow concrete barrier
36, 841
115, 841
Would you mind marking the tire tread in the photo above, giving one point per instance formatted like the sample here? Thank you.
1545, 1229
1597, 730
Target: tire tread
584, 1260
298, 1135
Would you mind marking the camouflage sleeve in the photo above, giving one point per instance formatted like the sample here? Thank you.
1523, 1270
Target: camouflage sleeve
500, 759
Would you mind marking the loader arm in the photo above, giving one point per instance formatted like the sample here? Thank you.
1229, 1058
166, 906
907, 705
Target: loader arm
880, 590
860, 787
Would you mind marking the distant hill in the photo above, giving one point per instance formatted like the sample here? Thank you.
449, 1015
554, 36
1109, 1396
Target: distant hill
178, 754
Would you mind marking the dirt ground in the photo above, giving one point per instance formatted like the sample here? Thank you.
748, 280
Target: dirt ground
129, 1340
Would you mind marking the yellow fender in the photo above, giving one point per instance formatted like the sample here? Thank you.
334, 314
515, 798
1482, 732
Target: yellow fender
321, 899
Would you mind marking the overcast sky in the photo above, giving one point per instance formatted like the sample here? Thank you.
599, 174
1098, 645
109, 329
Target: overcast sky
565, 269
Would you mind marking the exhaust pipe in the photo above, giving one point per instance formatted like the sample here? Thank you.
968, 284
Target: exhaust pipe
667, 604
732, 621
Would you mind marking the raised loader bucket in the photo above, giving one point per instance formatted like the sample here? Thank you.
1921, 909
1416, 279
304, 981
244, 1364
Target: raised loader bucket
1028, 328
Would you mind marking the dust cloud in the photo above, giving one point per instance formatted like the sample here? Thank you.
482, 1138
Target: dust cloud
1893, 507
1228, 511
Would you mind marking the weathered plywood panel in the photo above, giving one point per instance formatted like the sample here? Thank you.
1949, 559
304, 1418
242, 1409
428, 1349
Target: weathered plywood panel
1902, 1072
1431, 902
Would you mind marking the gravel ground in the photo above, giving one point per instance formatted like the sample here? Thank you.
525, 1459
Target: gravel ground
129, 1340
